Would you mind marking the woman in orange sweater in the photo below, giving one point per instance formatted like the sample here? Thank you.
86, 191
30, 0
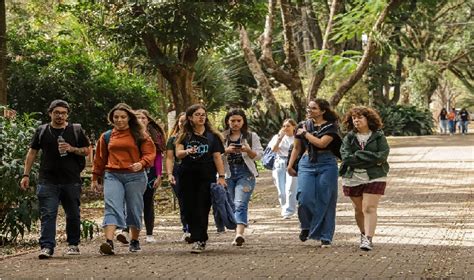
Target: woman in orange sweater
122, 155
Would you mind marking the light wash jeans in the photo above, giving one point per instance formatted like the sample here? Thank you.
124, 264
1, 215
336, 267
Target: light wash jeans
443, 126
240, 185
317, 195
123, 197
286, 186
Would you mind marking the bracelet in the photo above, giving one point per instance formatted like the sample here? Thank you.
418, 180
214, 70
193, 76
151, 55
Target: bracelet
221, 176
25, 175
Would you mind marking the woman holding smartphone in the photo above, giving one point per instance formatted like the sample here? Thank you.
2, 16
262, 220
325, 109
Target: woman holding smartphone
242, 149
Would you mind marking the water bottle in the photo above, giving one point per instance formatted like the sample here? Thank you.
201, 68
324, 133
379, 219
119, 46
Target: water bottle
61, 140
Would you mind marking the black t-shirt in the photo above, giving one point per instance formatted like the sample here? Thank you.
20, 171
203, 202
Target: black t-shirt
55, 169
206, 145
235, 159
443, 115
464, 115
328, 128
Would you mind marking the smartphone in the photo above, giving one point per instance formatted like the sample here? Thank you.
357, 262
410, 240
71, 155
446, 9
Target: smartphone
239, 146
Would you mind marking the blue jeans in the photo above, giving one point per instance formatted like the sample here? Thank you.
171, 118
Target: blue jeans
443, 126
452, 127
317, 195
286, 186
124, 192
464, 125
49, 197
240, 185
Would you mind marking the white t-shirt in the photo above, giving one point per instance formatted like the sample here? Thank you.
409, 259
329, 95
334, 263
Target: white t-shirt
284, 144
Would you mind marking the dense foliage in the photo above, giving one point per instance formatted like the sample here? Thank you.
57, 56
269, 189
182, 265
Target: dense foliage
401, 120
51, 64
18, 209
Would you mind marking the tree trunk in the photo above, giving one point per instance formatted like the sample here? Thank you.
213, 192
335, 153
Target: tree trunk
291, 61
397, 79
179, 75
369, 52
3, 54
318, 77
258, 74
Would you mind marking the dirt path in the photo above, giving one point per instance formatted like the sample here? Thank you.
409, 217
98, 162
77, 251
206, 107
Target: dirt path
426, 229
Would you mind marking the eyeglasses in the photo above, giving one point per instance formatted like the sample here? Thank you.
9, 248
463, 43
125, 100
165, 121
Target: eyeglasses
60, 113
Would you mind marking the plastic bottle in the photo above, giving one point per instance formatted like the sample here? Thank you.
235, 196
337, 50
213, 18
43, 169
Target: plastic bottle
61, 140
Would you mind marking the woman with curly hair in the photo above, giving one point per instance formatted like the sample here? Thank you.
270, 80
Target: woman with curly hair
122, 156
364, 168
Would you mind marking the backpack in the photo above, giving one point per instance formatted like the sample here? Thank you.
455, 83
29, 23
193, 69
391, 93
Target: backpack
81, 160
268, 158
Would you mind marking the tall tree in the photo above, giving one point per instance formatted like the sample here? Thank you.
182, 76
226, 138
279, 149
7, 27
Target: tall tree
3, 54
173, 33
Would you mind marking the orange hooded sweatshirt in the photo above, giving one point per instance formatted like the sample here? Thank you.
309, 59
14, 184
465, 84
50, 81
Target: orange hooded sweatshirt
121, 152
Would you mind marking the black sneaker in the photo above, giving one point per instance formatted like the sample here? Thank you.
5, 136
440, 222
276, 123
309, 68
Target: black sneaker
304, 235
325, 244
134, 246
107, 248
123, 237
198, 247
45, 253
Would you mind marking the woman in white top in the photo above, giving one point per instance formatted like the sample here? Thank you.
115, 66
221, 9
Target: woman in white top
286, 184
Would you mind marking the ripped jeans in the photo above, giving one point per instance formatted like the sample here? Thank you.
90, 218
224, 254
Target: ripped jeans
240, 185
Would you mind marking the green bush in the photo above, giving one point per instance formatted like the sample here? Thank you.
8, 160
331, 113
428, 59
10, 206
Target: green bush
406, 120
18, 209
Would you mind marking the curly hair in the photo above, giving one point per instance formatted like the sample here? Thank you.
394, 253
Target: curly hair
373, 118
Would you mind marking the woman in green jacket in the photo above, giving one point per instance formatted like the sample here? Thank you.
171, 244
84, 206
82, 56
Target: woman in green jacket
364, 168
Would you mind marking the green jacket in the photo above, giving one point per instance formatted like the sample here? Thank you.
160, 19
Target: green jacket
373, 158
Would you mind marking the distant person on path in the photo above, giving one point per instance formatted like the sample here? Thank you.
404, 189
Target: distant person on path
199, 147
242, 149
364, 168
443, 121
172, 170
122, 155
319, 139
452, 121
464, 120
64, 148
286, 184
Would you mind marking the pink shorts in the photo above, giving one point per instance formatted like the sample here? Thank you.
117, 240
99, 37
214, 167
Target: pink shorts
373, 188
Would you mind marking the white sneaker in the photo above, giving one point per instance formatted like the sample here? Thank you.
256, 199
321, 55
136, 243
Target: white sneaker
150, 239
365, 243
186, 238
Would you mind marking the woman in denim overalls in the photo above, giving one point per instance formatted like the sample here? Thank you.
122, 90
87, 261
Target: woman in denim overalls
242, 149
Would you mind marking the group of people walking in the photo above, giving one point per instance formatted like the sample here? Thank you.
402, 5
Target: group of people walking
128, 163
448, 121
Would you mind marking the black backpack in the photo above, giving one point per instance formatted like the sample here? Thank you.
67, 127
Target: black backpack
81, 160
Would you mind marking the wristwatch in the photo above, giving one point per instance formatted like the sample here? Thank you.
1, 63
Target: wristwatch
221, 176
